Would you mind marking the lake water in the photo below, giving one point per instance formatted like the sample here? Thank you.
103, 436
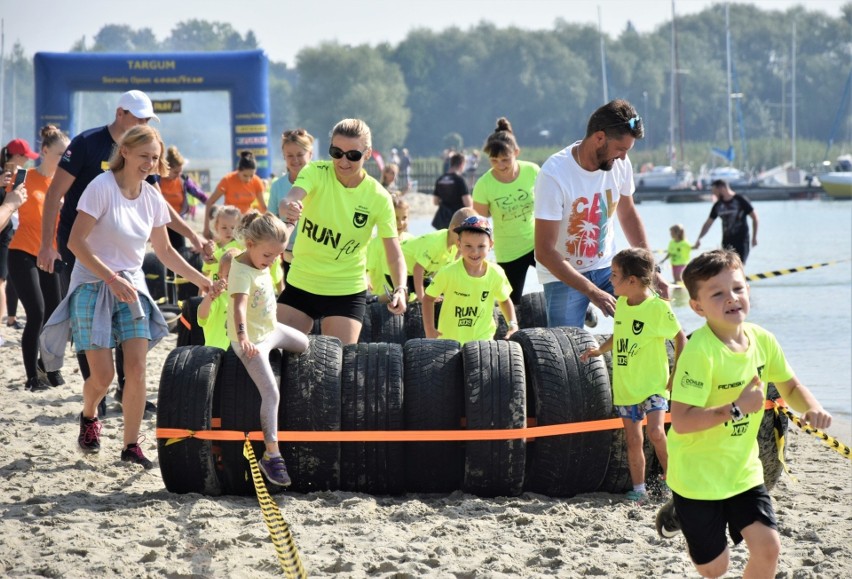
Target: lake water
809, 312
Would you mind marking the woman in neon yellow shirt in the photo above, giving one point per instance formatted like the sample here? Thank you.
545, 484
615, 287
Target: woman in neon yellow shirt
505, 193
337, 204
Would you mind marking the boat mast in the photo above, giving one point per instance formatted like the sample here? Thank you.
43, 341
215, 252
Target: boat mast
603, 58
730, 91
793, 104
672, 91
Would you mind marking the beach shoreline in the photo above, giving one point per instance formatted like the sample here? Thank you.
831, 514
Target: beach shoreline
69, 515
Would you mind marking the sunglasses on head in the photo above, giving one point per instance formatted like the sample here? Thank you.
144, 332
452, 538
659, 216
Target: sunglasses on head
475, 221
632, 123
338, 153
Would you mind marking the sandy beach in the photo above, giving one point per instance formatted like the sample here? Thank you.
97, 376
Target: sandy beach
67, 515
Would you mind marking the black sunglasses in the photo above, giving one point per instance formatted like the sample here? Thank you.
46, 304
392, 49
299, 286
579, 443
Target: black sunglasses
338, 153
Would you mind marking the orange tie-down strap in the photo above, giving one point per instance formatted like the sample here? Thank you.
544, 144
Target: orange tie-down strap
530, 432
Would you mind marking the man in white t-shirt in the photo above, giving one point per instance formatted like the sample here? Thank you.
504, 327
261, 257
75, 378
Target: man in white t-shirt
579, 193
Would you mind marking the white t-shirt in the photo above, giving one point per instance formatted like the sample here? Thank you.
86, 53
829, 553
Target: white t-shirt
584, 203
123, 225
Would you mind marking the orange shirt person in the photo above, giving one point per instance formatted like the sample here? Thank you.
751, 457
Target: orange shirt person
241, 188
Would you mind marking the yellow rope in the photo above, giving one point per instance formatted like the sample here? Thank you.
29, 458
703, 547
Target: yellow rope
279, 530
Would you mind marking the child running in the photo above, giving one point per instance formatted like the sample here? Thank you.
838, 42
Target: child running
254, 330
678, 250
718, 396
470, 287
640, 370
226, 220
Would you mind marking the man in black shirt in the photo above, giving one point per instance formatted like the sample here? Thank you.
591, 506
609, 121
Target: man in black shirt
450, 193
733, 209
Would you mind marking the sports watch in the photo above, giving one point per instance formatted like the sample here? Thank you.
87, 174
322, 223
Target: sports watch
736, 413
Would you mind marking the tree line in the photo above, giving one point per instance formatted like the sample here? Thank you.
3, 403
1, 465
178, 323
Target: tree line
437, 89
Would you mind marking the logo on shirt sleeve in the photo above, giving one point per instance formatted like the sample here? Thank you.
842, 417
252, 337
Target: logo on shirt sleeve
689, 382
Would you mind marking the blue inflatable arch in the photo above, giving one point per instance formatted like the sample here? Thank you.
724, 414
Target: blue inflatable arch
242, 73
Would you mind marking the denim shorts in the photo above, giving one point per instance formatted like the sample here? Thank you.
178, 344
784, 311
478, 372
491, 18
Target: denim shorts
124, 327
637, 412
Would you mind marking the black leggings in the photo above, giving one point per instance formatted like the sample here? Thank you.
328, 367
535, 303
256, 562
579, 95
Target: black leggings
11, 295
39, 293
516, 272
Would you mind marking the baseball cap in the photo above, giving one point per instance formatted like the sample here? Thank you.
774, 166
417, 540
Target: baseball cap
475, 223
138, 103
21, 147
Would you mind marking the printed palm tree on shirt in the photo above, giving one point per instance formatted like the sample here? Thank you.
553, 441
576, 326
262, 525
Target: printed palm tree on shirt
589, 238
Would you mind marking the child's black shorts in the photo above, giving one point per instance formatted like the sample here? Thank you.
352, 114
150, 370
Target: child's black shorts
317, 306
703, 522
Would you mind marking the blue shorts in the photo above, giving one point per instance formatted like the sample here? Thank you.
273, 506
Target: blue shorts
124, 327
567, 306
637, 412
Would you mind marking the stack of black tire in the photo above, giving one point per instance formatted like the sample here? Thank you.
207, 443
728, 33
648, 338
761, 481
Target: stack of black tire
535, 377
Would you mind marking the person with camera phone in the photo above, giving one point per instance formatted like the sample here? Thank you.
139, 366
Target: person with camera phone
13, 156
39, 290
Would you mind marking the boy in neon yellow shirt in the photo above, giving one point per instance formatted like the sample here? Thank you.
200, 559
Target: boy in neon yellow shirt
427, 254
718, 395
470, 287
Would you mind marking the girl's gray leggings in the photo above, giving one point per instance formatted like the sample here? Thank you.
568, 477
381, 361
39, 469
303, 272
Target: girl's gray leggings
260, 371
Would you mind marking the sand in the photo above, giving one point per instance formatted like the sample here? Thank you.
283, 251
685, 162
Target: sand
63, 514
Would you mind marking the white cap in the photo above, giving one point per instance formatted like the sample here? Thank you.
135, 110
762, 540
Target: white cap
139, 105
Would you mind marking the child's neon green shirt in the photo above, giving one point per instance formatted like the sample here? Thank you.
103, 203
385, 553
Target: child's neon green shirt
215, 325
679, 252
722, 461
467, 312
640, 363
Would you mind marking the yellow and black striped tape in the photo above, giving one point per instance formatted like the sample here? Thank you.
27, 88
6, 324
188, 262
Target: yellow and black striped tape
780, 272
829, 440
279, 530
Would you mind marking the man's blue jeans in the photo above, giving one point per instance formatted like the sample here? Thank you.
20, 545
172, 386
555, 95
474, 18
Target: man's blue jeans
566, 306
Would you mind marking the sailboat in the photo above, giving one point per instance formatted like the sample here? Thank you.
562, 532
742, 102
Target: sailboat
667, 177
729, 173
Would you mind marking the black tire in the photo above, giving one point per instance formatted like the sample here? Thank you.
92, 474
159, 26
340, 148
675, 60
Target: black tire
773, 424
310, 400
566, 390
171, 314
187, 386
371, 396
502, 325
194, 334
188, 290
495, 398
413, 321
366, 335
155, 276
387, 327
532, 311
434, 400
239, 408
